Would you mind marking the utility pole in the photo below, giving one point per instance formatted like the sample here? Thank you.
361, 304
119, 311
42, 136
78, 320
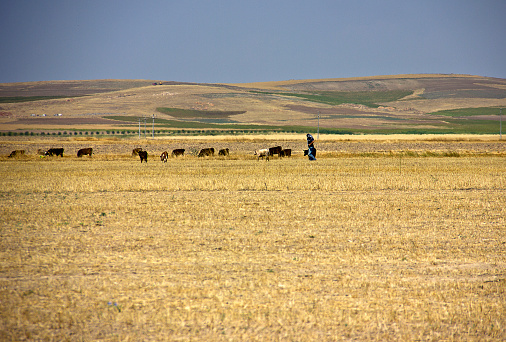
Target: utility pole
153, 131
139, 128
144, 128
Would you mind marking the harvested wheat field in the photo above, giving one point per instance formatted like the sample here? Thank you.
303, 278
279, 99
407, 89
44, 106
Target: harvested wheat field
354, 246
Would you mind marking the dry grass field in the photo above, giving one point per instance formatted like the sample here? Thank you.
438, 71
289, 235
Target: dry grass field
405, 244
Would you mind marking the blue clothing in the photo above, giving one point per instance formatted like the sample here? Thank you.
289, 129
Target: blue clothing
311, 152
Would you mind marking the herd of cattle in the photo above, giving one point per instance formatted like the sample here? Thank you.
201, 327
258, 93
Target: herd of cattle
53, 152
143, 155
209, 152
269, 152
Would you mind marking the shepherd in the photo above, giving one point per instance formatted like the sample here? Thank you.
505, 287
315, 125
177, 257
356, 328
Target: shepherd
311, 153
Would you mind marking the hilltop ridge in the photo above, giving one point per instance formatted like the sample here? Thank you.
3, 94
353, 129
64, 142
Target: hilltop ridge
388, 103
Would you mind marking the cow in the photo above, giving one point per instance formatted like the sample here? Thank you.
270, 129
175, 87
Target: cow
54, 152
85, 152
143, 155
135, 151
306, 152
164, 156
286, 153
16, 153
275, 150
224, 152
262, 153
178, 152
206, 152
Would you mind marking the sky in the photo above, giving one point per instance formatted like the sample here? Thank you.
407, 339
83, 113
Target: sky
241, 41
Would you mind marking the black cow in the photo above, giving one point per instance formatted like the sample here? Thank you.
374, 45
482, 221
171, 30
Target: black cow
16, 153
306, 152
178, 152
287, 152
135, 151
224, 152
144, 156
85, 152
206, 152
275, 150
55, 152
163, 157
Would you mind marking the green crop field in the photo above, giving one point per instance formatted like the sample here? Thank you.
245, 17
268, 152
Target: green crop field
16, 99
367, 98
462, 112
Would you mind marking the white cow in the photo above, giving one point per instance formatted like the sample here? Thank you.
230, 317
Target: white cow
262, 153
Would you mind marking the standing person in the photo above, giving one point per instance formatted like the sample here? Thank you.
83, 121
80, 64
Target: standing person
311, 152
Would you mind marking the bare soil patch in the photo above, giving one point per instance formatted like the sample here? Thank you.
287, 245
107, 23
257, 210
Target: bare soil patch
57, 121
332, 110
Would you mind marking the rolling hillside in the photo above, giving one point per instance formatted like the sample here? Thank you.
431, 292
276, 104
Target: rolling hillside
431, 103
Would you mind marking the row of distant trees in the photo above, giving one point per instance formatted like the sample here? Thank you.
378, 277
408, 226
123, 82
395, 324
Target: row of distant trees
147, 133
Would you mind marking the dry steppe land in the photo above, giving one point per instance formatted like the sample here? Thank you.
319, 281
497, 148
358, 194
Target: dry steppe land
388, 236
383, 238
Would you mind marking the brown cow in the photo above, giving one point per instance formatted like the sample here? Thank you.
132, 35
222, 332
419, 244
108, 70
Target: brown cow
144, 156
16, 153
178, 152
224, 152
164, 156
135, 151
206, 152
275, 150
287, 152
85, 152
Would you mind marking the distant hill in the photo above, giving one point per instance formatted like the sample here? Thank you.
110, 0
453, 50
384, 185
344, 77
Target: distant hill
427, 103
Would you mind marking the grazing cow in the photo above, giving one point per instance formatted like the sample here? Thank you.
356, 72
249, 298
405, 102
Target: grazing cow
206, 152
275, 150
85, 152
144, 156
287, 152
54, 152
164, 156
224, 152
16, 153
262, 153
306, 152
178, 152
135, 151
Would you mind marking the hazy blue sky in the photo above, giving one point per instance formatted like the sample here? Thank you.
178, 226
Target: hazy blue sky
248, 41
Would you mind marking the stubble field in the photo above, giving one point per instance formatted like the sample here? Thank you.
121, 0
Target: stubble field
354, 246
